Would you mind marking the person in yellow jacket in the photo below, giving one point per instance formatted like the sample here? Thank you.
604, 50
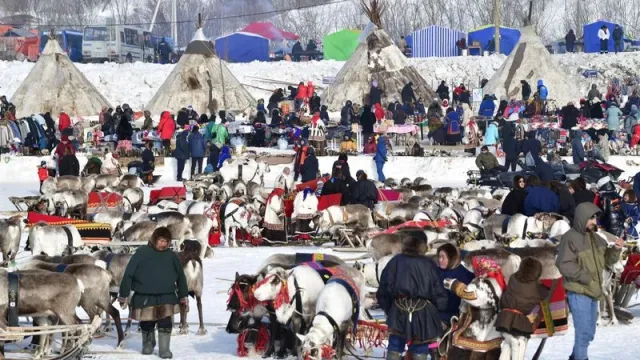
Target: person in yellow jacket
348, 145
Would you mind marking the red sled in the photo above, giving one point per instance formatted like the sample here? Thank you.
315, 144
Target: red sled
174, 193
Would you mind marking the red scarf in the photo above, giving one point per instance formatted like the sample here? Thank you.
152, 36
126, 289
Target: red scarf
276, 192
487, 267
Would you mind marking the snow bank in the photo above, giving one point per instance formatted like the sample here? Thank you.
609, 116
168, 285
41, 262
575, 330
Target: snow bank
136, 83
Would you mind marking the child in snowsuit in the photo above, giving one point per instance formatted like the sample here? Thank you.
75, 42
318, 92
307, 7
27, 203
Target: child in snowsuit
43, 173
523, 293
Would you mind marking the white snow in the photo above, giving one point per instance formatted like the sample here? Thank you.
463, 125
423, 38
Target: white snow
20, 179
136, 83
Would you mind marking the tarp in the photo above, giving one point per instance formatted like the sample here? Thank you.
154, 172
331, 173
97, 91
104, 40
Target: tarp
269, 31
508, 37
434, 41
340, 45
242, 47
591, 40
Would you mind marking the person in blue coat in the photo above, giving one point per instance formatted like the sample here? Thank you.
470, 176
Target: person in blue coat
381, 156
631, 212
225, 153
181, 152
450, 268
197, 148
539, 198
411, 281
577, 149
487, 107
491, 137
542, 90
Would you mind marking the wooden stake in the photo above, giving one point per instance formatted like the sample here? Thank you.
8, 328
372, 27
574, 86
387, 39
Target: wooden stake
496, 23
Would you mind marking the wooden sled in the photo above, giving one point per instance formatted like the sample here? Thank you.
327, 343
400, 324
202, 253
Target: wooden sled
77, 337
25, 203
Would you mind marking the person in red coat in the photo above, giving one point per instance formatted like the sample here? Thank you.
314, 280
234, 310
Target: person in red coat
378, 112
301, 95
64, 145
166, 128
64, 122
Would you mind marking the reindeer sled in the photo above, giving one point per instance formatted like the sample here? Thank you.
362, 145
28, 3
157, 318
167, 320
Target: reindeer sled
25, 203
76, 340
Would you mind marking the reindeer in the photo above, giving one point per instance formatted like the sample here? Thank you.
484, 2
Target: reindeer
42, 294
191, 262
95, 297
53, 240
10, 233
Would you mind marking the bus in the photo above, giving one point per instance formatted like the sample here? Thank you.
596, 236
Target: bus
119, 43
70, 41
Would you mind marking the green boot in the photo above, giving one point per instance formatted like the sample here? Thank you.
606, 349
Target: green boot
164, 341
394, 355
148, 342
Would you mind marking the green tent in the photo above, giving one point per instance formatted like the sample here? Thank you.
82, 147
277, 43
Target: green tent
340, 45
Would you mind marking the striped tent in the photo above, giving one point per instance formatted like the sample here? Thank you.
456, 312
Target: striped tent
435, 41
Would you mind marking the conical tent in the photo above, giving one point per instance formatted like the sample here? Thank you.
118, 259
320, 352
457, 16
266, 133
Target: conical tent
202, 80
531, 61
379, 59
340, 45
55, 84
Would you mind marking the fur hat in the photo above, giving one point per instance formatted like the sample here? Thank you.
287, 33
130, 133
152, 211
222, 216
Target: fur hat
414, 242
452, 254
160, 233
529, 271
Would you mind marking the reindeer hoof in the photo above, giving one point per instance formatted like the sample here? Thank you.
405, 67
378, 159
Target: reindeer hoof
202, 331
120, 346
184, 330
612, 323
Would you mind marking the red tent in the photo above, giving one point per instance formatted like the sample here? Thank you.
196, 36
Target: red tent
270, 31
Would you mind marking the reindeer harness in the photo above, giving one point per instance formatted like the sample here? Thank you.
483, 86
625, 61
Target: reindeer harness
14, 296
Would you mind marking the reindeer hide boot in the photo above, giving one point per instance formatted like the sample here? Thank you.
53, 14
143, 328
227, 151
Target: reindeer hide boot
148, 342
394, 355
418, 356
164, 341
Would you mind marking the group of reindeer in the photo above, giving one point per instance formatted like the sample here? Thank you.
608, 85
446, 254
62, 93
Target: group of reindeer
474, 225
51, 287
307, 311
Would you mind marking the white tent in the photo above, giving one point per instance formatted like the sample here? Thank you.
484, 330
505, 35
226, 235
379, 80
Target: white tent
531, 61
55, 84
376, 58
202, 80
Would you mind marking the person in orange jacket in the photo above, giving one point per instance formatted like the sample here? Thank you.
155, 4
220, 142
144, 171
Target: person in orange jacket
301, 96
64, 122
310, 90
301, 156
43, 173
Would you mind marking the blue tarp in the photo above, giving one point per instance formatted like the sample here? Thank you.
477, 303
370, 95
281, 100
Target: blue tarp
591, 40
434, 41
508, 38
242, 47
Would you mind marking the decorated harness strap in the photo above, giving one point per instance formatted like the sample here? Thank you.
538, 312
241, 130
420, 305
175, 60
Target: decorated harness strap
352, 289
325, 273
14, 296
302, 258
60, 268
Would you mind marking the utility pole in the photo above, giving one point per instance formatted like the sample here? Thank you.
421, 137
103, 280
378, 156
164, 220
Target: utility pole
174, 23
496, 23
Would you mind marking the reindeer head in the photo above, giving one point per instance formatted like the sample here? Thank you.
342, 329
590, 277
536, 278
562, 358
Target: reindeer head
241, 292
314, 342
272, 284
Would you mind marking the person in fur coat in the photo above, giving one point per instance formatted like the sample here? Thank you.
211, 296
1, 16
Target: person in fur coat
305, 206
274, 214
523, 293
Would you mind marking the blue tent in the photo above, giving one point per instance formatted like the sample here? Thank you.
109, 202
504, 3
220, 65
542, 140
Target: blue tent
242, 47
508, 37
434, 41
591, 40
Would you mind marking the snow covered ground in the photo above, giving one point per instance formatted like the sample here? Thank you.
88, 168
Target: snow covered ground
19, 179
136, 83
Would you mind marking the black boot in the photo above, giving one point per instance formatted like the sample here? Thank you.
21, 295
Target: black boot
148, 342
164, 342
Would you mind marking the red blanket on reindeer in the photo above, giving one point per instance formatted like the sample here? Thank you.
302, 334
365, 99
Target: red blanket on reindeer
89, 231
